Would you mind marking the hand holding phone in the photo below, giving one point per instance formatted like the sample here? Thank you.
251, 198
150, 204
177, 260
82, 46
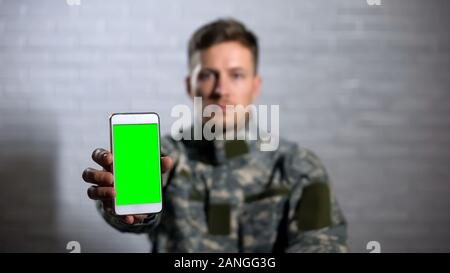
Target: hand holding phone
103, 181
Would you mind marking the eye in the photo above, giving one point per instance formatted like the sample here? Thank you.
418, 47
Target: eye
205, 75
237, 75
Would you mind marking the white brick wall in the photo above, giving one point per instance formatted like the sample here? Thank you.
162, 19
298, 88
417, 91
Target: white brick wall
366, 87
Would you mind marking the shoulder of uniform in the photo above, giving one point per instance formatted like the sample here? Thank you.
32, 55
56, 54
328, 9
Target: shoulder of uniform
302, 162
285, 146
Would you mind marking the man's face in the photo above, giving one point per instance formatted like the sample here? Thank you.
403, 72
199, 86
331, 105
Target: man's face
224, 74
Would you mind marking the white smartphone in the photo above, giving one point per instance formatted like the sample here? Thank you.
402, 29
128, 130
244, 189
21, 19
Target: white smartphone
135, 146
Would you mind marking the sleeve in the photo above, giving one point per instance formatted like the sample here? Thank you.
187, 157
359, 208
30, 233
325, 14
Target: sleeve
168, 148
114, 221
315, 221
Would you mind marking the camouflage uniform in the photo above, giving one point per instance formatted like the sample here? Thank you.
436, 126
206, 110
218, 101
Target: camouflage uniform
228, 196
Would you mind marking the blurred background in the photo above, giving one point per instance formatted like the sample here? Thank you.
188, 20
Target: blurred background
364, 86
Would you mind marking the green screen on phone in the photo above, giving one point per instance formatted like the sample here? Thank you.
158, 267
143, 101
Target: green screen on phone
136, 163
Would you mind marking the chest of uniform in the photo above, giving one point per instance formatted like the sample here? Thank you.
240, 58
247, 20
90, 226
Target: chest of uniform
239, 207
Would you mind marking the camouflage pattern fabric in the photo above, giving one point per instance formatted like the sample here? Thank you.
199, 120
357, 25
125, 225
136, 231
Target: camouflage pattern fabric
228, 196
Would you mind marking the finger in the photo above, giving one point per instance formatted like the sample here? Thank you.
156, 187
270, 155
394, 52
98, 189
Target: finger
108, 206
101, 193
166, 163
103, 158
101, 178
134, 219
128, 219
139, 218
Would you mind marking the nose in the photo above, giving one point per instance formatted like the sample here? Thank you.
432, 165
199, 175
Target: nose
220, 87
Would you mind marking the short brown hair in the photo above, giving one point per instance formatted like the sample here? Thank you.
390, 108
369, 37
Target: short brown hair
223, 30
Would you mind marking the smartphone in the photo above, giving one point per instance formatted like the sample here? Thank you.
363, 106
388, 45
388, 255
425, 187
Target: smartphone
135, 146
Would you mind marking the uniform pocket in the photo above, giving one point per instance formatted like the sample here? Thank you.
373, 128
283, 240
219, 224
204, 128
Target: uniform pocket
260, 220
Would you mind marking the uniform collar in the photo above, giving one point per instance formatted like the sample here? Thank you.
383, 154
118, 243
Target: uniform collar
218, 151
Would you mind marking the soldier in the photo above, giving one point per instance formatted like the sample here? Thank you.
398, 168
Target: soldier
228, 195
